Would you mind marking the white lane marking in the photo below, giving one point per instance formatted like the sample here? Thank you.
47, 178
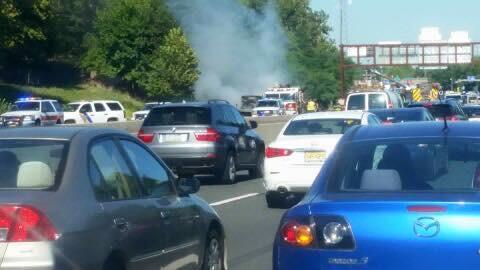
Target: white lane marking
234, 199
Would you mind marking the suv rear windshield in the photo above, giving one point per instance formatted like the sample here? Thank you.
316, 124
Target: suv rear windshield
356, 102
26, 106
401, 165
436, 111
320, 126
114, 106
376, 101
31, 164
178, 116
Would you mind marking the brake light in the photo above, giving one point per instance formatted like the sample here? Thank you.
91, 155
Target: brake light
390, 104
20, 223
297, 234
452, 118
145, 137
211, 135
387, 122
271, 152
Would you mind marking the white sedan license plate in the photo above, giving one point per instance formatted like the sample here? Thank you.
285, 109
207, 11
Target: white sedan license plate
173, 138
318, 156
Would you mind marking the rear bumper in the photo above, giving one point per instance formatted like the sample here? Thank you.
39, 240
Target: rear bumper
192, 165
290, 178
28, 256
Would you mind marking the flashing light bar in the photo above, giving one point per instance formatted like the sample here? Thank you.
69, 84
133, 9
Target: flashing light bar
23, 99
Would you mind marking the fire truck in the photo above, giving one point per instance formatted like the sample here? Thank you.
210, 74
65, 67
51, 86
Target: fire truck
292, 97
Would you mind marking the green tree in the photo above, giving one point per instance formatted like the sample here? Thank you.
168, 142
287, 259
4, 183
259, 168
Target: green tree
126, 34
173, 68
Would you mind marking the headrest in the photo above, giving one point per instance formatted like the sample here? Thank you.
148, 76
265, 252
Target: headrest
386, 180
34, 174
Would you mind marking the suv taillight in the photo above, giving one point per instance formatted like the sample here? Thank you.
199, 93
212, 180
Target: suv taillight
145, 137
211, 135
20, 223
272, 152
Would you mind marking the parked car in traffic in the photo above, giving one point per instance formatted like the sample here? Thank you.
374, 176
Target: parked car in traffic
96, 111
140, 115
455, 112
33, 112
391, 116
269, 107
86, 198
472, 112
209, 137
293, 160
365, 101
387, 193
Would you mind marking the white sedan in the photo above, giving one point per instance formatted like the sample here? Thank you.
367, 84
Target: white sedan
294, 159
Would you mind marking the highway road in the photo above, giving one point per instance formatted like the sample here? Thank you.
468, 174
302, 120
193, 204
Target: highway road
250, 225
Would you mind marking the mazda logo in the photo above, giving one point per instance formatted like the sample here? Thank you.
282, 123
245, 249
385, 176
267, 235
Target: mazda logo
426, 227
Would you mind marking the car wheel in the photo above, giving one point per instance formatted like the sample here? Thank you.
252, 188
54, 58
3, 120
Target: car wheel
214, 252
112, 120
59, 122
258, 171
229, 174
273, 200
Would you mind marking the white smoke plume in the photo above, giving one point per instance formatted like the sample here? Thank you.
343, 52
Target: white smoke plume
240, 52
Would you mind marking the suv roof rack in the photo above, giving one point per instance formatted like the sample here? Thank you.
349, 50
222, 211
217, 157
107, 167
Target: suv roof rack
211, 101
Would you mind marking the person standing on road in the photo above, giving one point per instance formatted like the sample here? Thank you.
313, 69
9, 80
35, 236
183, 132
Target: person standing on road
311, 106
434, 93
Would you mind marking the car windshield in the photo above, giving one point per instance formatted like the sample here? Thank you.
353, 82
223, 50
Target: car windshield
31, 164
26, 106
395, 165
267, 103
439, 112
272, 96
71, 107
401, 116
319, 126
178, 116
286, 97
148, 107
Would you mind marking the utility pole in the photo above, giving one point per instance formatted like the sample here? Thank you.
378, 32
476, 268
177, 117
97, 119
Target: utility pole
341, 62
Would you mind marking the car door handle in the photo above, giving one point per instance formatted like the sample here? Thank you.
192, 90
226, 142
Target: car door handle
122, 224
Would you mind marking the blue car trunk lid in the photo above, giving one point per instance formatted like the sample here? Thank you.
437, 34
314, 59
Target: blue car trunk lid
420, 234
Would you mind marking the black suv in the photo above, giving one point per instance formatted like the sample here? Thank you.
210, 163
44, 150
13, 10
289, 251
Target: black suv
204, 138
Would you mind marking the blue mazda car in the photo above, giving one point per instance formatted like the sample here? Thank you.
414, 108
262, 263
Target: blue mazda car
403, 196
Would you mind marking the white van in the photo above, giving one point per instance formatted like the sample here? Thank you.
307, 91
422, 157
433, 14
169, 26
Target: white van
364, 101
98, 111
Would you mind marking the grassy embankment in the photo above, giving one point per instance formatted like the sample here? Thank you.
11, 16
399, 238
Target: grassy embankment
11, 92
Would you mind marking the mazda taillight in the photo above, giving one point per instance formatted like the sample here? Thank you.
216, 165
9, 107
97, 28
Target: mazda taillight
323, 232
20, 223
272, 152
211, 135
145, 137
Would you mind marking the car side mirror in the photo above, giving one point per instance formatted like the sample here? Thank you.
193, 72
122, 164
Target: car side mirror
187, 186
253, 124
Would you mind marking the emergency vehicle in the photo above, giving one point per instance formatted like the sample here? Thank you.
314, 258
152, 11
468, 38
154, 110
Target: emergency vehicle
33, 112
292, 97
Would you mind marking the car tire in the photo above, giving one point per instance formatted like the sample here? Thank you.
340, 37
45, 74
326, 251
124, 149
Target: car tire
112, 120
59, 122
214, 252
228, 174
273, 200
258, 171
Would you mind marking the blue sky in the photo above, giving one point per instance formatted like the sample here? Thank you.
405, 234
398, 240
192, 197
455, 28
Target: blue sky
400, 20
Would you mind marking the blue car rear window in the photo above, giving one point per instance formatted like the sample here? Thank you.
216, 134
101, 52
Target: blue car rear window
435, 165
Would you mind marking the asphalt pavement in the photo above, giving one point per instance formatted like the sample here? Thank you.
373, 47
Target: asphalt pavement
250, 225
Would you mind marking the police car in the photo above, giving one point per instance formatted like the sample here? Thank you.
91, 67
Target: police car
33, 112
